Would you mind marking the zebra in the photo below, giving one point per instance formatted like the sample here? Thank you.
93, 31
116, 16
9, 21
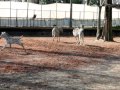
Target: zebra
78, 33
11, 40
56, 31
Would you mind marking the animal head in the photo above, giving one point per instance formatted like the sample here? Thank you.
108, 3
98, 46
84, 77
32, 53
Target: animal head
54, 25
3, 34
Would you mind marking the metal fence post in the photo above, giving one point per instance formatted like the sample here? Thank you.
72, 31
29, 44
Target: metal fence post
27, 11
50, 18
10, 14
41, 15
70, 24
16, 19
79, 17
56, 13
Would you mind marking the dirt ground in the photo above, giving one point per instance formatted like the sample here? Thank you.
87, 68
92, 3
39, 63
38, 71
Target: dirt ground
64, 65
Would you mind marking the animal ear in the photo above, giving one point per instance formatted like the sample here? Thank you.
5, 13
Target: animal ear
54, 25
3, 32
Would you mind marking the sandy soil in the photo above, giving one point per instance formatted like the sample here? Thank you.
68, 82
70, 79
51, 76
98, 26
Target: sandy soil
64, 65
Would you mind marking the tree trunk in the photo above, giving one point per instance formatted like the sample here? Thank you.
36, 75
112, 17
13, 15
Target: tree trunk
99, 23
108, 22
70, 14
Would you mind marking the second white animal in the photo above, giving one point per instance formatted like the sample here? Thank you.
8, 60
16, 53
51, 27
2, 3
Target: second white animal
78, 33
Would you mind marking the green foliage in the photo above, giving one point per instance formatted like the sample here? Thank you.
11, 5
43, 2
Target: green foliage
65, 1
77, 1
93, 2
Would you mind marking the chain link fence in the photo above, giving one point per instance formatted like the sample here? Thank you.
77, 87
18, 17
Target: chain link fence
37, 18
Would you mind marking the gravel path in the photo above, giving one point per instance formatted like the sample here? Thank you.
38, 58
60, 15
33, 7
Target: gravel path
91, 67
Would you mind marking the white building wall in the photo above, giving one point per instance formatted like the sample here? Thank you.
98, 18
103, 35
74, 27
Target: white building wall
81, 13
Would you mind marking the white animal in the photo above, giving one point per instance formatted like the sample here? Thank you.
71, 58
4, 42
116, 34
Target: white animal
56, 31
78, 33
11, 40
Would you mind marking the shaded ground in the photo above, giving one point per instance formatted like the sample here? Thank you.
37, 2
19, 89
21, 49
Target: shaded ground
49, 65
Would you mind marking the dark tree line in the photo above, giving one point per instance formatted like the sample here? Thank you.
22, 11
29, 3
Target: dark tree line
64, 1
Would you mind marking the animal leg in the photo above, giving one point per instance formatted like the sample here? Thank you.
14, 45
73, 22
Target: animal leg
10, 45
4, 46
78, 40
53, 38
82, 38
59, 39
23, 47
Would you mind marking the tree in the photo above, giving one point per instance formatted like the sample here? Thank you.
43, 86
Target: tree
99, 3
107, 31
108, 22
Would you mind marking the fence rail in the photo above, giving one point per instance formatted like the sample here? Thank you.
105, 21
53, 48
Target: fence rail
19, 18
